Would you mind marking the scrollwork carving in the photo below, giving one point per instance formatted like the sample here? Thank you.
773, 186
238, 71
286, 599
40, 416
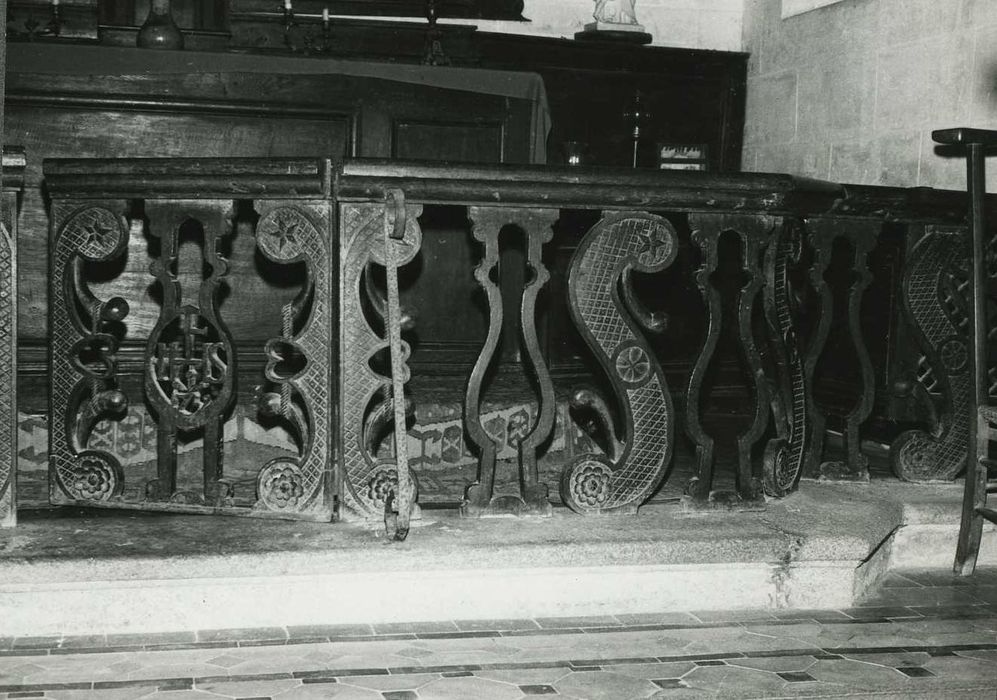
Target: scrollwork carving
783, 459
618, 244
935, 286
290, 232
362, 390
83, 362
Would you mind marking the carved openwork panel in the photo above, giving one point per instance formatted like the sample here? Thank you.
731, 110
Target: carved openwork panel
859, 237
86, 335
935, 304
299, 359
480, 498
8, 358
372, 356
754, 233
147, 388
609, 317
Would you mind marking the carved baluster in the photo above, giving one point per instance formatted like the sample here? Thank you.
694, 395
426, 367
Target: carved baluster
783, 459
480, 498
608, 322
935, 304
190, 356
368, 483
862, 237
83, 360
291, 232
13, 168
754, 233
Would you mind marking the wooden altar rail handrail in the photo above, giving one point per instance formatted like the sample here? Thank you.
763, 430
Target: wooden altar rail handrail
187, 178
360, 180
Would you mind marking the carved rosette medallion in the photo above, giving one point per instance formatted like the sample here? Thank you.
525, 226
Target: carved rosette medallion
83, 362
364, 393
288, 233
608, 321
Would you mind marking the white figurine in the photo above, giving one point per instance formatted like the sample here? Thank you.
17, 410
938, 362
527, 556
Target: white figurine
615, 11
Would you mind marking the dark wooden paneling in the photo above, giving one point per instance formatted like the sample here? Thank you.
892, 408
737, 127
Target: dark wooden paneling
223, 115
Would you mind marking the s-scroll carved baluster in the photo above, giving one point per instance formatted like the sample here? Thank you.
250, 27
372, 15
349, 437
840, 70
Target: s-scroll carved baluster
291, 232
369, 483
83, 362
608, 321
754, 232
190, 357
13, 165
862, 237
935, 304
479, 498
783, 459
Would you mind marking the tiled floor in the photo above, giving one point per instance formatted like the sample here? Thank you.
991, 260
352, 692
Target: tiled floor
927, 635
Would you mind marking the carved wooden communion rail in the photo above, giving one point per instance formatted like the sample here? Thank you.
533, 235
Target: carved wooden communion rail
194, 290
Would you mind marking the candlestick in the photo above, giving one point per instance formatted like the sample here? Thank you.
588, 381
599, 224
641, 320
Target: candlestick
287, 5
325, 15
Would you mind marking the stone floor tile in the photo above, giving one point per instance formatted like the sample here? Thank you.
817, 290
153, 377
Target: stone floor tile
854, 674
892, 660
942, 577
733, 615
534, 689
775, 664
667, 618
666, 669
924, 596
469, 687
106, 694
897, 579
604, 685
962, 668
577, 622
248, 689
537, 676
181, 670
407, 681
810, 614
981, 654
732, 681
324, 691
310, 631
131, 639
497, 625
878, 612
400, 695
984, 594
415, 627
180, 695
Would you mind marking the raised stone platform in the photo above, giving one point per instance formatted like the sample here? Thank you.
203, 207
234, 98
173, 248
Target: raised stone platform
72, 572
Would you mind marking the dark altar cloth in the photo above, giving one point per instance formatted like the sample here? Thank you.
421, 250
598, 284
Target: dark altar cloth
104, 60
